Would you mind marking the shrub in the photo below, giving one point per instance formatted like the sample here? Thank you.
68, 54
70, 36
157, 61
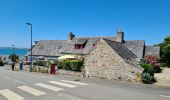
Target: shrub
41, 63
76, 65
163, 65
148, 68
151, 59
60, 65
147, 78
1, 63
154, 61
157, 68
66, 64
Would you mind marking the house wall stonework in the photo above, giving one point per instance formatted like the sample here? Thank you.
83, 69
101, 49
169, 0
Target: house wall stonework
104, 62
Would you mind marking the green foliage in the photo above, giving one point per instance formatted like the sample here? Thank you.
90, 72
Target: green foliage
147, 78
41, 63
148, 68
14, 57
60, 65
66, 64
163, 65
166, 56
165, 51
75, 65
1, 63
167, 40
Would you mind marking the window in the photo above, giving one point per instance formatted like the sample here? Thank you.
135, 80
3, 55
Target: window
79, 46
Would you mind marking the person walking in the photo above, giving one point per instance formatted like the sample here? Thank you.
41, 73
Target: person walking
13, 66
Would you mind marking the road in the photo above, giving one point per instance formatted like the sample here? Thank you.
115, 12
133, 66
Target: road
22, 85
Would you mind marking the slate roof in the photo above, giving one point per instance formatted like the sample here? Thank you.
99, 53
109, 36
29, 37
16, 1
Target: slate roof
69, 49
127, 50
152, 50
136, 46
121, 49
49, 47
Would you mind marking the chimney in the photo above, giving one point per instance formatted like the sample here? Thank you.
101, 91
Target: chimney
120, 36
70, 36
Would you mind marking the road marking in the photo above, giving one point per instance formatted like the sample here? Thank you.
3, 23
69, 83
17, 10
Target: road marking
69, 97
11, 95
19, 81
79, 83
6, 77
165, 96
48, 87
31, 90
62, 84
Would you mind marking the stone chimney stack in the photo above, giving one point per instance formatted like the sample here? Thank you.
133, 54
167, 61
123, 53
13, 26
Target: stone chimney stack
120, 36
70, 36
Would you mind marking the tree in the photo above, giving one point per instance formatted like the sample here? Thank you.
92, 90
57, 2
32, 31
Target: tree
165, 50
166, 54
14, 57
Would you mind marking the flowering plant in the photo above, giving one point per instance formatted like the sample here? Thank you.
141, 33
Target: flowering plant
154, 61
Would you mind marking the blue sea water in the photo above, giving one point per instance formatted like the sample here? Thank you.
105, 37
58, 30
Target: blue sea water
18, 51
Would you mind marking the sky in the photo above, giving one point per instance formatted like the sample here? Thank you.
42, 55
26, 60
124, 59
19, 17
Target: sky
147, 20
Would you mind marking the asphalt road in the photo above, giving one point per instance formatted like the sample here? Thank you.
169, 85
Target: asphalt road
21, 85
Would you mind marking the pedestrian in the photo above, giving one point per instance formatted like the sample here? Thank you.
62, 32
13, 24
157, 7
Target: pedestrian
13, 66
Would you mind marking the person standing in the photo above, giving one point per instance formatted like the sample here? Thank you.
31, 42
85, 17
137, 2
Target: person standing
13, 66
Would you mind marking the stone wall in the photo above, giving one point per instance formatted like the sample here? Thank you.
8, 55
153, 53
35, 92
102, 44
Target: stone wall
40, 69
104, 62
72, 73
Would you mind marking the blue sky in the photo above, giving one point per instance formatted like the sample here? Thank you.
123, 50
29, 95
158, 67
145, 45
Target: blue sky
147, 20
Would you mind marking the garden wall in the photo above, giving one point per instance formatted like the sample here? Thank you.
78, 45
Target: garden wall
72, 73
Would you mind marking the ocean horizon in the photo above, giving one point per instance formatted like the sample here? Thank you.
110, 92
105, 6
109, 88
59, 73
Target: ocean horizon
10, 50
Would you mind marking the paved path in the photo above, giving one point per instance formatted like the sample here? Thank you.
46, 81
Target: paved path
163, 78
21, 85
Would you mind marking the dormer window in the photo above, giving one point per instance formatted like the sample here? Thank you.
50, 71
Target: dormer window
79, 46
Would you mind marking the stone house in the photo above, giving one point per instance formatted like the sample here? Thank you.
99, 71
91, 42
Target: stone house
105, 57
47, 49
111, 60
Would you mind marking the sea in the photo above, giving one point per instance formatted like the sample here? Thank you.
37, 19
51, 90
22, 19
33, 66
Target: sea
9, 51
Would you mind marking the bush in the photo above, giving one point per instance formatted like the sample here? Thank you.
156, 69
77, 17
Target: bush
1, 63
157, 68
148, 68
151, 59
163, 65
147, 78
60, 65
66, 64
41, 63
76, 65
154, 61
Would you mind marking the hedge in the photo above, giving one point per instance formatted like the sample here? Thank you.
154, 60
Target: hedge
75, 65
41, 63
148, 68
66, 64
147, 78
